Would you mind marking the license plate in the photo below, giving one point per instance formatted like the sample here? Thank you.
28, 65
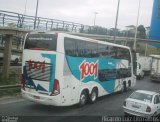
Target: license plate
136, 106
36, 97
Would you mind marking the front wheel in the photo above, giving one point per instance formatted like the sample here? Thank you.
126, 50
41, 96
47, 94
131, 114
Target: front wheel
126, 114
94, 95
124, 87
83, 99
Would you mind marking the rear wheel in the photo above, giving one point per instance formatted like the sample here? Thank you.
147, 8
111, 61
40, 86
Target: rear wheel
94, 95
129, 83
126, 114
155, 114
139, 77
83, 98
124, 87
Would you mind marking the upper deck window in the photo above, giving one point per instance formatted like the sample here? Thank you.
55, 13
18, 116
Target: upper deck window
41, 42
81, 48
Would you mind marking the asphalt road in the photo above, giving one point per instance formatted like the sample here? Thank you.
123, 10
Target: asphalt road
110, 105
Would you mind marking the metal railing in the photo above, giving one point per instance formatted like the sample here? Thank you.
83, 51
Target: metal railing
8, 87
16, 20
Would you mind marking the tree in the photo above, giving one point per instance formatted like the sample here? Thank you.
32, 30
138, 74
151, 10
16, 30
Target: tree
141, 32
97, 30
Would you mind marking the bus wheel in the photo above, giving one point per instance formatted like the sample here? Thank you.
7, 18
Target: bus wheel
94, 95
124, 88
129, 84
83, 98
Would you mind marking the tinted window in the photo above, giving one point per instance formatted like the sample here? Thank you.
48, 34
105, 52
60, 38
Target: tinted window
120, 53
104, 51
112, 74
70, 47
41, 41
156, 99
80, 48
142, 97
92, 49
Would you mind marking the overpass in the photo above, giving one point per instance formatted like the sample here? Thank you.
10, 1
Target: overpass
12, 24
19, 24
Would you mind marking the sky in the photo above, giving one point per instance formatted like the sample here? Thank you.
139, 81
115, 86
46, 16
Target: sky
83, 11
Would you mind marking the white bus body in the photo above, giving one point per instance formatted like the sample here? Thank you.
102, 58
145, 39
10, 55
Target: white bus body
61, 69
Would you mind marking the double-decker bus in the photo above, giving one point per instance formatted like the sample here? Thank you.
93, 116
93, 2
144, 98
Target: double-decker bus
61, 69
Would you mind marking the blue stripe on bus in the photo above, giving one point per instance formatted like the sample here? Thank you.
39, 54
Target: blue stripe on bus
103, 63
29, 82
52, 58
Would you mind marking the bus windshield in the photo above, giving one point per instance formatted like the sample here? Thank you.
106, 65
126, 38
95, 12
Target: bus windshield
41, 42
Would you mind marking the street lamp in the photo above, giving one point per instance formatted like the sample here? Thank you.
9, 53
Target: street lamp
36, 15
25, 8
95, 13
135, 37
114, 39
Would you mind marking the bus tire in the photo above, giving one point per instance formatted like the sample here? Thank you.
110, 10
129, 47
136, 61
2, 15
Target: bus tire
124, 88
83, 98
129, 84
93, 95
126, 114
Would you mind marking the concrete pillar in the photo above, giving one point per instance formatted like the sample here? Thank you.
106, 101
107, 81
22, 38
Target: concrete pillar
7, 55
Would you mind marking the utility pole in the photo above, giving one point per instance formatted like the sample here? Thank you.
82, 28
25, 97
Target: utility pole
36, 15
25, 8
95, 13
135, 37
7, 55
115, 29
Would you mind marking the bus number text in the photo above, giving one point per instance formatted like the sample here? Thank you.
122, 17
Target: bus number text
36, 65
89, 69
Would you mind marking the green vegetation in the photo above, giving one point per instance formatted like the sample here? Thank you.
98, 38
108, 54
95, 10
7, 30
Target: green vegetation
13, 79
150, 49
10, 92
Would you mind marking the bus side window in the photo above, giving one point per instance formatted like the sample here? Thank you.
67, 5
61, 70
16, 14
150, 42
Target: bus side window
103, 51
113, 52
70, 47
81, 48
92, 49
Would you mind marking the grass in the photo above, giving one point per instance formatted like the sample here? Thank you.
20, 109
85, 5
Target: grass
12, 80
11, 92
150, 49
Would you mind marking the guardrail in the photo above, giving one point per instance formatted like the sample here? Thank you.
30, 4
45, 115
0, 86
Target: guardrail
16, 20
8, 87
